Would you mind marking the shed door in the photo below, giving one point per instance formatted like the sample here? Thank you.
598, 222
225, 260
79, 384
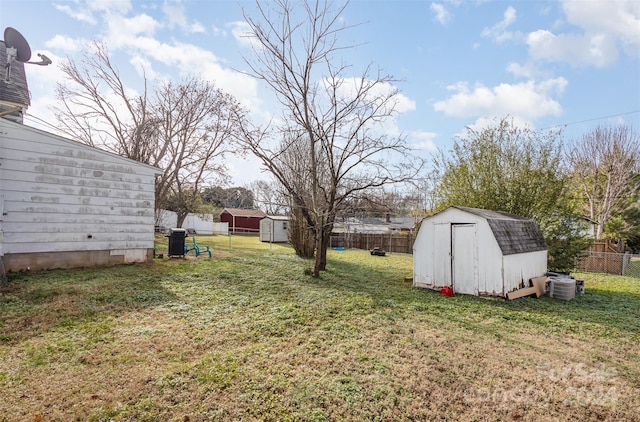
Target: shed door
463, 258
441, 249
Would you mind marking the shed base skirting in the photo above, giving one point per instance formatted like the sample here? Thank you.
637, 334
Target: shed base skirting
74, 259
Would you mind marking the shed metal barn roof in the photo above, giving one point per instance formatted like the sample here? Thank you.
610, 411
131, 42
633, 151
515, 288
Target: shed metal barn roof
240, 212
514, 234
277, 217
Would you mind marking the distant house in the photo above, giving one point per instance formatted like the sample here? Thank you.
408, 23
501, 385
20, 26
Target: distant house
375, 225
274, 229
242, 220
65, 204
478, 252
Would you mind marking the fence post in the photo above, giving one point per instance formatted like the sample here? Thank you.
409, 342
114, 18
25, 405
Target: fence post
625, 259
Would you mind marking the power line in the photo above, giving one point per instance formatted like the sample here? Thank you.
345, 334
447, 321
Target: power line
46, 123
592, 119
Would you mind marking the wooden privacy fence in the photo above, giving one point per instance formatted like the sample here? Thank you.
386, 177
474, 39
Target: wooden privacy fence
610, 263
390, 242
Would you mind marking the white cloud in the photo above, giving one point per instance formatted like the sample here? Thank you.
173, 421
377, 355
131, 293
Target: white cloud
197, 27
384, 95
577, 50
110, 6
64, 43
398, 102
144, 67
176, 16
527, 100
423, 140
442, 14
241, 31
121, 29
498, 32
244, 170
82, 15
520, 70
84, 11
188, 60
617, 19
136, 35
602, 29
218, 31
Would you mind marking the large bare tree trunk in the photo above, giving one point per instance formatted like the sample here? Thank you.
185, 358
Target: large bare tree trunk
330, 145
300, 236
326, 237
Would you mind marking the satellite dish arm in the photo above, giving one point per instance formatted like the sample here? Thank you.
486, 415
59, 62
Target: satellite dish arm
12, 53
44, 60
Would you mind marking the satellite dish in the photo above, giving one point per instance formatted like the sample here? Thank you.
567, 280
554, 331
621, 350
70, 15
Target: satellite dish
14, 39
18, 50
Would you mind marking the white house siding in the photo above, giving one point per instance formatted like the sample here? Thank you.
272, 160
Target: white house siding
66, 204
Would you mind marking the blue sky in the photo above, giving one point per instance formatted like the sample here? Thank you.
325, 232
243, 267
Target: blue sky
573, 64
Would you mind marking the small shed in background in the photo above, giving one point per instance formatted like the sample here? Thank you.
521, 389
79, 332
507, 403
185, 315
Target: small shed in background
478, 252
242, 220
274, 228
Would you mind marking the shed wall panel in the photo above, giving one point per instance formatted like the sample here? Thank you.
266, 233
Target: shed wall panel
438, 259
520, 268
490, 280
274, 230
421, 260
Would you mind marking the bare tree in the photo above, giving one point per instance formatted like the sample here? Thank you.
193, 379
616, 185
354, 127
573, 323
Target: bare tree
334, 120
269, 197
196, 128
184, 129
604, 163
96, 108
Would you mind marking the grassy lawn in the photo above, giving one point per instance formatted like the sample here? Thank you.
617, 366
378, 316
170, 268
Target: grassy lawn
248, 335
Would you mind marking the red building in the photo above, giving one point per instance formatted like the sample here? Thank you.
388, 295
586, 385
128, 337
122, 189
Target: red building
241, 220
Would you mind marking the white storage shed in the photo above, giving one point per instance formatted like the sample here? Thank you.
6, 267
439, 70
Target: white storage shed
478, 252
65, 204
274, 229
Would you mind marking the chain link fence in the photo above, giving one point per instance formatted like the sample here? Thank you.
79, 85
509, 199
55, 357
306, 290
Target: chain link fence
611, 263
390, 242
